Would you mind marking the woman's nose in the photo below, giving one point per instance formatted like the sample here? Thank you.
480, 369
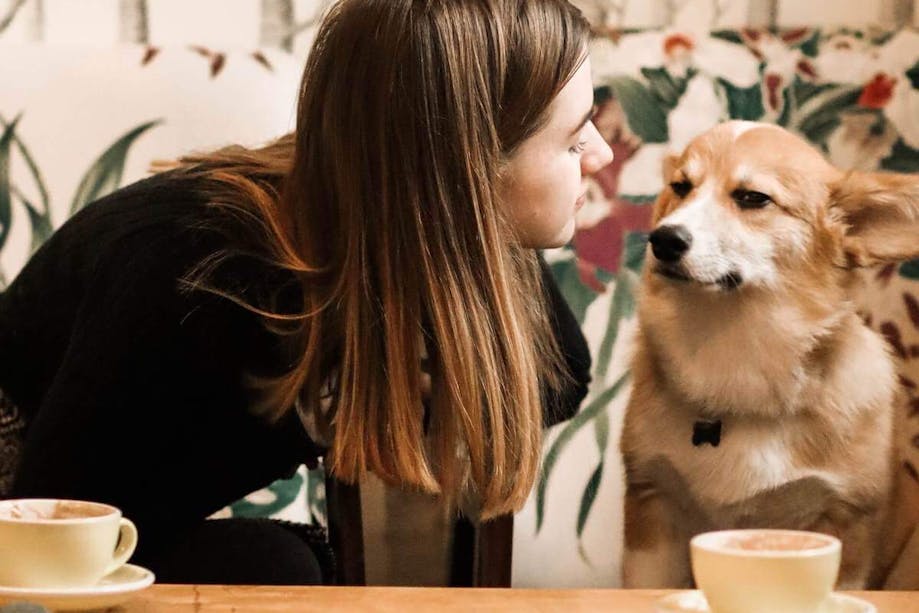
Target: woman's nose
597, 156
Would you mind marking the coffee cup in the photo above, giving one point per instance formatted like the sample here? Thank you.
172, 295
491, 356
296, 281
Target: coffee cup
54, 543
764, 571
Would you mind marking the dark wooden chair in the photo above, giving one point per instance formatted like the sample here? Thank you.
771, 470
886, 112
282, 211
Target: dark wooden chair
481, 553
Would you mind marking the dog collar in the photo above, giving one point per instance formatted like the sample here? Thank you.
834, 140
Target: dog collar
706, 431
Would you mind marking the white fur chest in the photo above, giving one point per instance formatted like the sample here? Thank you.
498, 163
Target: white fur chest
820, 424
751, 457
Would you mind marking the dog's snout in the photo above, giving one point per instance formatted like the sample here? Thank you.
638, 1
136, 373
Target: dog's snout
670, 243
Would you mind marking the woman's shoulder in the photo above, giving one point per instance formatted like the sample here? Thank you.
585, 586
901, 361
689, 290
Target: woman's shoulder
170, 218
151, 234
163, 203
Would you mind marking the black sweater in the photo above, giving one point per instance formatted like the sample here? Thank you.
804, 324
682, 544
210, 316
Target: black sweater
133, 390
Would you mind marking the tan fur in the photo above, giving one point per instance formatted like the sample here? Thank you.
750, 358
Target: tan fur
804, 389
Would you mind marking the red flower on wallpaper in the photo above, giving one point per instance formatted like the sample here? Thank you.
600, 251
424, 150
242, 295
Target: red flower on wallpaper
878, 92
678, 43
678, 52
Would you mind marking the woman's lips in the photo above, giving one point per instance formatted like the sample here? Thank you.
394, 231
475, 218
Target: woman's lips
580, 202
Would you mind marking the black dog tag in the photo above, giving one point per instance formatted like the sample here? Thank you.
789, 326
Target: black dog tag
706, 432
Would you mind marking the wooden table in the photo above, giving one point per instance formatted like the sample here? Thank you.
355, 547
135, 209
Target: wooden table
180, 598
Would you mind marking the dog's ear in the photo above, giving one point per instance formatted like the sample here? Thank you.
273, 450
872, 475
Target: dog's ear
880, 212
668, 166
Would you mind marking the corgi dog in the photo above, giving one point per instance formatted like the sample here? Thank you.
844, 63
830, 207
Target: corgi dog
760, 398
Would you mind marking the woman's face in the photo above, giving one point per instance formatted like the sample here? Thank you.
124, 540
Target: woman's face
543, 184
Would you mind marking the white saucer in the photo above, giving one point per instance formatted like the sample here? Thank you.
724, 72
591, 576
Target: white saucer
111, 590
694, 602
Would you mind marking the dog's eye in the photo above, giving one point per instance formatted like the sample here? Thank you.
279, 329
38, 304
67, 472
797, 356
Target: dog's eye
681, 188
750, 200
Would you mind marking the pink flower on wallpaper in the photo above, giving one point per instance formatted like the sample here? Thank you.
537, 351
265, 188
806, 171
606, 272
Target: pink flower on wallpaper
775, 85
599, 244
784, 60
807, 69
759, 39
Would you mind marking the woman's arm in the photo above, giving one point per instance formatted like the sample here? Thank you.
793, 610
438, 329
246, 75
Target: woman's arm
148, 409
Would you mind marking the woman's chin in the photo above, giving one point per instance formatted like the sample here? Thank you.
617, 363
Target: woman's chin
559, 238
563, 237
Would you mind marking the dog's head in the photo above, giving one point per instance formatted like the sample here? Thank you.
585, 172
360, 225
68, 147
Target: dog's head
749, 205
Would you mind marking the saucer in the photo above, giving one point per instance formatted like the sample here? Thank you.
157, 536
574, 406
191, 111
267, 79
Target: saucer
111, 590
694, 602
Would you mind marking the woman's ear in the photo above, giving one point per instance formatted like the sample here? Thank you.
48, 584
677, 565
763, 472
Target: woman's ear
880, 212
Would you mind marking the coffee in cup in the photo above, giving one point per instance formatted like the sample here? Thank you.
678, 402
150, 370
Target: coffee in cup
764, 571
53, 543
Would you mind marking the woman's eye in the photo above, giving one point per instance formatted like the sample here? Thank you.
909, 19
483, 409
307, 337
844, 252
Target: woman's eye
579, 148
746, 199
681, 188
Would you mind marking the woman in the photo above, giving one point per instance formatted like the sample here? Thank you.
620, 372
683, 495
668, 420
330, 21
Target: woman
366, 288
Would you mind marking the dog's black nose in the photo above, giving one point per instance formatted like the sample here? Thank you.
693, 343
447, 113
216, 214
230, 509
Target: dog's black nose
669, 243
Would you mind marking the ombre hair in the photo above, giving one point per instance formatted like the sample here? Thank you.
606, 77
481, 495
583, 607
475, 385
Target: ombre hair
384, 204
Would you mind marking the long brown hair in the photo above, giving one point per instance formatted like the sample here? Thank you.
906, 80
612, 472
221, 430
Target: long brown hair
384, 204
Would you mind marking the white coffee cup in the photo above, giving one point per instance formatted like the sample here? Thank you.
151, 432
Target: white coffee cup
54, 543
765, 571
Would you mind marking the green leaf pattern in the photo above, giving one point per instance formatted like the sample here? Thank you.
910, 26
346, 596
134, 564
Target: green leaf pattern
104, 175
6, 197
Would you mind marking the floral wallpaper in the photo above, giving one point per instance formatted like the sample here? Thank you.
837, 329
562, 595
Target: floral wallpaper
854, 94
664, 70
289, 24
